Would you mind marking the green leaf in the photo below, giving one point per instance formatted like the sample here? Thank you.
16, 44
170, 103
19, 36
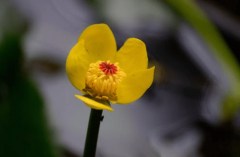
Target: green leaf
190, 11
23, 127
24, 130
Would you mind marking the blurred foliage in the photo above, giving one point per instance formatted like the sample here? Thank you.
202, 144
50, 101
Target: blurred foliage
190, 11
23, 127
91, 1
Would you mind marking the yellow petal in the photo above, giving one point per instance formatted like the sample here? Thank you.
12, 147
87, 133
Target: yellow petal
99, 42
94, 104
77, 65
134, 85
132, 56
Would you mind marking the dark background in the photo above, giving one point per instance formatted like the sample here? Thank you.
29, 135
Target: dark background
191, 110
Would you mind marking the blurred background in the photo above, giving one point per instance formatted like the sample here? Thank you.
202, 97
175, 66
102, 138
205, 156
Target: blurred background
191, 110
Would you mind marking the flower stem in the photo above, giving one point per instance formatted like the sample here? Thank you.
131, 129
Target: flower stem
92, 133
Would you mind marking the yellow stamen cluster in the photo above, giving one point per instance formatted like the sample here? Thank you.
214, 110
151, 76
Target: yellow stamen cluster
102, 85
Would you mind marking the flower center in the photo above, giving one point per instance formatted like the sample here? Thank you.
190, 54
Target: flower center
108, 68
102, 80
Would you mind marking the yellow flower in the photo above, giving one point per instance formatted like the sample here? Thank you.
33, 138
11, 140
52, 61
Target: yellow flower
101, 73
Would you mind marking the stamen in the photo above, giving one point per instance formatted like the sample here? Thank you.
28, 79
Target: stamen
98, 97
102, 80
104, 98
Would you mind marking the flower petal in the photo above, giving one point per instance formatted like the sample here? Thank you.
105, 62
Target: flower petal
99, 42
132, 56
77, 65
94, 104
134, 85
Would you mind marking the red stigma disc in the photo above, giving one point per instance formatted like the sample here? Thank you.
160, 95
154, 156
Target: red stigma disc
108, 68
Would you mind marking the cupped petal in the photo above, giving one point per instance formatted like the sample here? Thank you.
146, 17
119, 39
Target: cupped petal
77, 65
134, 85
94, 104
132, 56
99, 42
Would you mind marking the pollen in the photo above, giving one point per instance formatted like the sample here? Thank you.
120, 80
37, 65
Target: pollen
102, 80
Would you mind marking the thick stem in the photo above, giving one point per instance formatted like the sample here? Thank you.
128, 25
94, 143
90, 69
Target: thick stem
92, 133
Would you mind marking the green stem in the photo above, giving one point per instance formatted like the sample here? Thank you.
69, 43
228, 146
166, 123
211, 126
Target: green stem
92, 133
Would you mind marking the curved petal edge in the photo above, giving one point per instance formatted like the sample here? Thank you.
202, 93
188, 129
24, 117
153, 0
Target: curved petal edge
99, 42
94, 104
77, 64
132, 56
135, 85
